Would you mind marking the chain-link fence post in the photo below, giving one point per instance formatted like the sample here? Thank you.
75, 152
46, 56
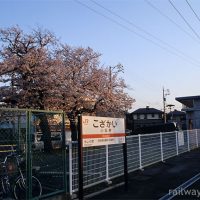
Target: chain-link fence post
19, 132
28, 156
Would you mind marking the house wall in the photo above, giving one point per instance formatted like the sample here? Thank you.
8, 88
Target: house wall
193, 115
144, 120
196, 103
154, 116
148, 116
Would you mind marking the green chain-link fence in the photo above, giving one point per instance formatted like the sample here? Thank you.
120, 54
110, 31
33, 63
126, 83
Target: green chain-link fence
32, 153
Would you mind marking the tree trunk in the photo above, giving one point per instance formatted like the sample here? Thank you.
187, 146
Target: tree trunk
73, 127
46, 132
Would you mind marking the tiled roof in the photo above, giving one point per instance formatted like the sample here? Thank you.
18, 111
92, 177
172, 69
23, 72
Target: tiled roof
147, 110
188, 101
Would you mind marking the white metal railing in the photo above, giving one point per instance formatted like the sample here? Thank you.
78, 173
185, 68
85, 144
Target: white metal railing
103, 163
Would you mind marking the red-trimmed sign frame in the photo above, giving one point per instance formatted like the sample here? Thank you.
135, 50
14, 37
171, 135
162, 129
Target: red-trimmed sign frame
97, 131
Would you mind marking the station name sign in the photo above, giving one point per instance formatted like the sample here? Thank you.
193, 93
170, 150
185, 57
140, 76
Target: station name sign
97, 131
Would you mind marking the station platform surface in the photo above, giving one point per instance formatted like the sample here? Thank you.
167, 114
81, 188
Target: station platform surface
157, 180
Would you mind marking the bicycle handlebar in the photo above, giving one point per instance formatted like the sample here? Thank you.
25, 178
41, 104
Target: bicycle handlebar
13, 153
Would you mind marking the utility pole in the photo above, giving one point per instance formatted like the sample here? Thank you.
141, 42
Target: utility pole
165, 93
164, 107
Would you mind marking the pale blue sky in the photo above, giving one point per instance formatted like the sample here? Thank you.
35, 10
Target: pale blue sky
148, 67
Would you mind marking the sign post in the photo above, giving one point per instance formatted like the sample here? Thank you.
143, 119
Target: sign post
98, 131
125, 165
80, 159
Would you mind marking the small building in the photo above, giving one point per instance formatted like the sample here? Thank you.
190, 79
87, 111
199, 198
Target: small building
143, 117
191, 105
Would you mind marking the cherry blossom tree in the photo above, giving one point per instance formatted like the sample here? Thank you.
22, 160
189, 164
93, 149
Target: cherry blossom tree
27, 70
37, 71
90, 87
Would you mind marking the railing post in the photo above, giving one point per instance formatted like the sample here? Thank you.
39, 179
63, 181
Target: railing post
161, 146
197, 142
176, 132
188, 136
107, 165
70, 169
140, 151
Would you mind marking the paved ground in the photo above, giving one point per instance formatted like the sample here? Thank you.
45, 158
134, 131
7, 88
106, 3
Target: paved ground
156, 180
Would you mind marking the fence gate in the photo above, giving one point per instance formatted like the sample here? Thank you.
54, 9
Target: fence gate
32, 146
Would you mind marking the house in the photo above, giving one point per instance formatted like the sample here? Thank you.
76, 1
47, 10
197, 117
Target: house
179, 117
144, 117
191, 105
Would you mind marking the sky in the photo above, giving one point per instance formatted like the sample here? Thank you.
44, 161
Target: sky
157, 46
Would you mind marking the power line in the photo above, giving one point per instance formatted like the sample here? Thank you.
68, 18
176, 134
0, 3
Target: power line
144, 31
124, 27
169, 19
130, 30
118, 23
188, 24
193, 10
124, 19
127, 28
138, 34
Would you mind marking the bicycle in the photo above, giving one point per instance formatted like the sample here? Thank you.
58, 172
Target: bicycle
18, 188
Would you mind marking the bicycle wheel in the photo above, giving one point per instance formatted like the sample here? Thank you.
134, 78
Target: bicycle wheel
36, 187
20, 186
5, 186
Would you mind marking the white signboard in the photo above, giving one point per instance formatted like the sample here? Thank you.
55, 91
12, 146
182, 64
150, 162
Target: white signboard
97, 131
180, 138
